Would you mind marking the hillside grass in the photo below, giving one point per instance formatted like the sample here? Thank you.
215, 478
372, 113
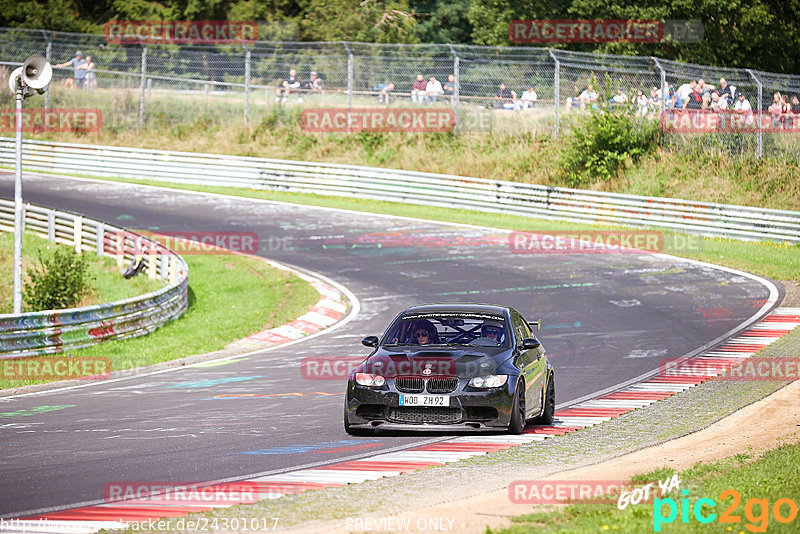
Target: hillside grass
693, 167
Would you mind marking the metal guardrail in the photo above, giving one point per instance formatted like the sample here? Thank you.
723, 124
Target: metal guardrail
529, 200
52, 331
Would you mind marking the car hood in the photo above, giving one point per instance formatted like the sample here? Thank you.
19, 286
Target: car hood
466, 362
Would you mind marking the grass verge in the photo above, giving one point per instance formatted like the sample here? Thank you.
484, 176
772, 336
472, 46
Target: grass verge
230, 297
108, 284
758, 484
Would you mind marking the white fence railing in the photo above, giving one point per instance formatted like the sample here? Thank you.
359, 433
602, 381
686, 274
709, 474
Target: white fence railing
51, 331
450, 191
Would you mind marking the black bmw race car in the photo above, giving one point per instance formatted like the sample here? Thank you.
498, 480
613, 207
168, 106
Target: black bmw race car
452, 367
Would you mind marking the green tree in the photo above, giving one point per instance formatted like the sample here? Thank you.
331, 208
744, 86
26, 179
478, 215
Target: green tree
358, 20
441, 21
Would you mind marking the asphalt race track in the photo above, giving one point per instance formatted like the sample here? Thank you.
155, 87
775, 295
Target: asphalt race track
607, 318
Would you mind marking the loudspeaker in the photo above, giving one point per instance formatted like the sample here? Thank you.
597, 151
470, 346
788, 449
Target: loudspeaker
37, 73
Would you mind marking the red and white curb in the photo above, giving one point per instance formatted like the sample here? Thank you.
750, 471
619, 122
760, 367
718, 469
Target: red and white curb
330, 309
585, 414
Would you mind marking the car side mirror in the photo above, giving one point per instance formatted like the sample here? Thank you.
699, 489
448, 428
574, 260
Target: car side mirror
530, 343
370, 341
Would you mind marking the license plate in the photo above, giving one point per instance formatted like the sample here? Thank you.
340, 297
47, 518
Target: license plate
425, 400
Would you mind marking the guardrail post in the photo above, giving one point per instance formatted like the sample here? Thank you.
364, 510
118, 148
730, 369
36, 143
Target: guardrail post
120, 248
173, 269
100, 231
164, 266
556, 89
456, 74
246, 84
152, 266
51, 226
760, 149
143, 84
77, 234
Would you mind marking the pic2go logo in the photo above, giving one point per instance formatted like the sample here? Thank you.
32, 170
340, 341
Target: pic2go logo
758, 521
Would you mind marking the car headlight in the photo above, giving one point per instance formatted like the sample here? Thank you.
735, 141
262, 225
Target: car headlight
491, 381
367, 379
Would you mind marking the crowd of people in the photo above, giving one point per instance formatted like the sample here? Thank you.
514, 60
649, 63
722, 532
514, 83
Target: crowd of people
693, 95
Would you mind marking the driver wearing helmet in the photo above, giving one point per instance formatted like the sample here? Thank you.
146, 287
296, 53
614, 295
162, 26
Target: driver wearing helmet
493, 330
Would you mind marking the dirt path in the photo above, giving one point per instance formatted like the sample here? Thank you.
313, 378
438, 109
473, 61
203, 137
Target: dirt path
761, 426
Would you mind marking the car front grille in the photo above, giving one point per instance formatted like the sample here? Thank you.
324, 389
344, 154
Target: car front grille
409, 384
442, 385
421, 414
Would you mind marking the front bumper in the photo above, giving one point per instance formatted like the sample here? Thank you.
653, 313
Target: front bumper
470, 409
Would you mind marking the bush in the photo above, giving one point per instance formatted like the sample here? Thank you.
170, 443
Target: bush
59, 281
603, 142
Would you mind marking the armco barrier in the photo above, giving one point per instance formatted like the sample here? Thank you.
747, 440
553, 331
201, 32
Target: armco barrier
46, 332
530, 200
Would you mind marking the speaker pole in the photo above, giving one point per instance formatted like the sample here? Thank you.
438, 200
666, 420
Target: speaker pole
31, 78
20, 95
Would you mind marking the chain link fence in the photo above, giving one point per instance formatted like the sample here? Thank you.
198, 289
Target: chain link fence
503, 90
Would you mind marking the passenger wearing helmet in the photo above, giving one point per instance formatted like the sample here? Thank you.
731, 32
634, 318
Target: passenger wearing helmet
424, 333
493, 330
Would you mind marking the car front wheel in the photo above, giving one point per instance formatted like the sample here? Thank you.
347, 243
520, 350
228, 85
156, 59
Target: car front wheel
517, 423
549, 408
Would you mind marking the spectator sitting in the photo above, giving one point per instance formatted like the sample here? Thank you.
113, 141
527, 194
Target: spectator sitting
433, 90
292, 82
418, 89
742, 105
695, 99
528, 98
619, 98
312, 85
795, 105
715, 102
725, 93
686, 89
505, 98
705, 90
78, 72
655, 98
385, 92
787, 111
673, 100
91, 78
776, 110
449, 87
589, 97
641, 103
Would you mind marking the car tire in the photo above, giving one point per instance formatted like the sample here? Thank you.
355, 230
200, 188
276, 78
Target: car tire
549, 408
517, 422
354, 431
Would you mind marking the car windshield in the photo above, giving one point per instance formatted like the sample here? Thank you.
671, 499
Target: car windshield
476, 329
